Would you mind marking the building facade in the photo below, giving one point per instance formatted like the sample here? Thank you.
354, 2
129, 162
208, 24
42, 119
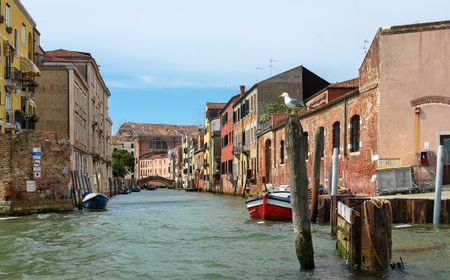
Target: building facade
299, 82
152, 139
18, 70
175, 165
393, 116
228, 183
156, 164
188, 148
73, 100
212, 145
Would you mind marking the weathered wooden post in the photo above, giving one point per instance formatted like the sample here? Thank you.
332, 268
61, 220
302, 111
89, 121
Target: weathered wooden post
438, 187
376, 235
296, 149
318, 152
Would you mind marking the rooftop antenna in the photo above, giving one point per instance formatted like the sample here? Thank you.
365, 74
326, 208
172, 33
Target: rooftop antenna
270, 66
365, 46
257, 69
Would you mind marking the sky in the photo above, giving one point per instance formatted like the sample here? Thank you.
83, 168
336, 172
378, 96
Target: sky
163, 60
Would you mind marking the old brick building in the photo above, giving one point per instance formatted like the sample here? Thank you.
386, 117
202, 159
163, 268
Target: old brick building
395, 113
22, 190
299, 82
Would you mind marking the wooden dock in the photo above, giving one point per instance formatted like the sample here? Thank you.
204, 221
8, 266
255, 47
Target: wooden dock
406, 208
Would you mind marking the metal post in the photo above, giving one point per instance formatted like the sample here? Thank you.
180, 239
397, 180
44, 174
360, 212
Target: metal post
438, 187
335, 172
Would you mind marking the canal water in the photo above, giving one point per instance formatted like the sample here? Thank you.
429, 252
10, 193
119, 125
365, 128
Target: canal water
167, 234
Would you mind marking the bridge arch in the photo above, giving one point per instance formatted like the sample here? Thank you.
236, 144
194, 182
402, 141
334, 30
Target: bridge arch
156, 179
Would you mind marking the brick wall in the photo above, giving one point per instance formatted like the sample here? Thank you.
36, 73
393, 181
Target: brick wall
55, 176
5, 165
355, 169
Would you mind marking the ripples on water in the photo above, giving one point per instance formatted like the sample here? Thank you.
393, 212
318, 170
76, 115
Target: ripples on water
176, 235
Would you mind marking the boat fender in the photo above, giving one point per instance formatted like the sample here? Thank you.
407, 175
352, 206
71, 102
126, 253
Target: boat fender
84, 194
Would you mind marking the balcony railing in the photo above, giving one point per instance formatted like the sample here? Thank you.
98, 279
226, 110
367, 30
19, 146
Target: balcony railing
262, 126
25, 121
241, 149
12, 73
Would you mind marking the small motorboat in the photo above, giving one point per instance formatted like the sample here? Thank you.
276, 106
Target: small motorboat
95, 201
191, 189
270, 206
124, 191
135, 189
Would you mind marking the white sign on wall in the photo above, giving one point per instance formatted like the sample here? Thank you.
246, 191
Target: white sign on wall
31, 186
37, 174
345, 212
37, 153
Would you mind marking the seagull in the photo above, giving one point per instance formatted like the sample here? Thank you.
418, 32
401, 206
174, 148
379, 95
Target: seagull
291, 103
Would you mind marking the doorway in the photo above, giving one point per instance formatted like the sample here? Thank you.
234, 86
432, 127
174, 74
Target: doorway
445, 141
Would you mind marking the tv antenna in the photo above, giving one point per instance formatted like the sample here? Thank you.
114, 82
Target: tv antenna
365, 46
271, 61
257, 69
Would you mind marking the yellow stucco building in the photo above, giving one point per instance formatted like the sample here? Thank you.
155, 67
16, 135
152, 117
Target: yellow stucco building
19, 39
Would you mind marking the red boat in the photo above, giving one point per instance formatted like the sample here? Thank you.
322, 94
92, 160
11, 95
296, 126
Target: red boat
270, 206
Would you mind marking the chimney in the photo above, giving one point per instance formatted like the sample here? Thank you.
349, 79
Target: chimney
242, 89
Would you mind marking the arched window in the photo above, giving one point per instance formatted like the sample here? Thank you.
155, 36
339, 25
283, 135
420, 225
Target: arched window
336, 135
354, 133
322, 151
282, 152
268, 160
305, 138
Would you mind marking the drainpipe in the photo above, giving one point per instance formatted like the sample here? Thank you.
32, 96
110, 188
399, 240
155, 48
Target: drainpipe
417, 117
345, 125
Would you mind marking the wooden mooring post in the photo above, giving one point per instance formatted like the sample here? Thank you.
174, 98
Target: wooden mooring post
296, 149
364, 236
318, 153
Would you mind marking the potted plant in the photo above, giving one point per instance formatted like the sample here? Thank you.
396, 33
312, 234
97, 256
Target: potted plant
2, 18
9, 29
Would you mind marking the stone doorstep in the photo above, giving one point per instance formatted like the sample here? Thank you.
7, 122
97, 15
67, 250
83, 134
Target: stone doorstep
22, 208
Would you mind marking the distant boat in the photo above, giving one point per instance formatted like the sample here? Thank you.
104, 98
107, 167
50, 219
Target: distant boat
96, 201
270, 206
135, 189
191, 189
151, 188
124, 191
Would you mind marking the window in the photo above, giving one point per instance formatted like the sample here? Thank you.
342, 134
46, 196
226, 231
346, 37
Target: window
282, 152
336, 135
24, 34
354, 134
8, 15
322, 152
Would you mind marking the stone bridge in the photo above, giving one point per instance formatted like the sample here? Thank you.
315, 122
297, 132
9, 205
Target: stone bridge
156, 179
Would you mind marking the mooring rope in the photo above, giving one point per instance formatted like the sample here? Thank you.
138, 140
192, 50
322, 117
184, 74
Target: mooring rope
378, 204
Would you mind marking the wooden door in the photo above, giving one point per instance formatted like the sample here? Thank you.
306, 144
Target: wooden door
445, 141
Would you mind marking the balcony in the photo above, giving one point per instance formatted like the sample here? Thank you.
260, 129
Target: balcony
24, 121
241, 149
13, 78
237, 150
